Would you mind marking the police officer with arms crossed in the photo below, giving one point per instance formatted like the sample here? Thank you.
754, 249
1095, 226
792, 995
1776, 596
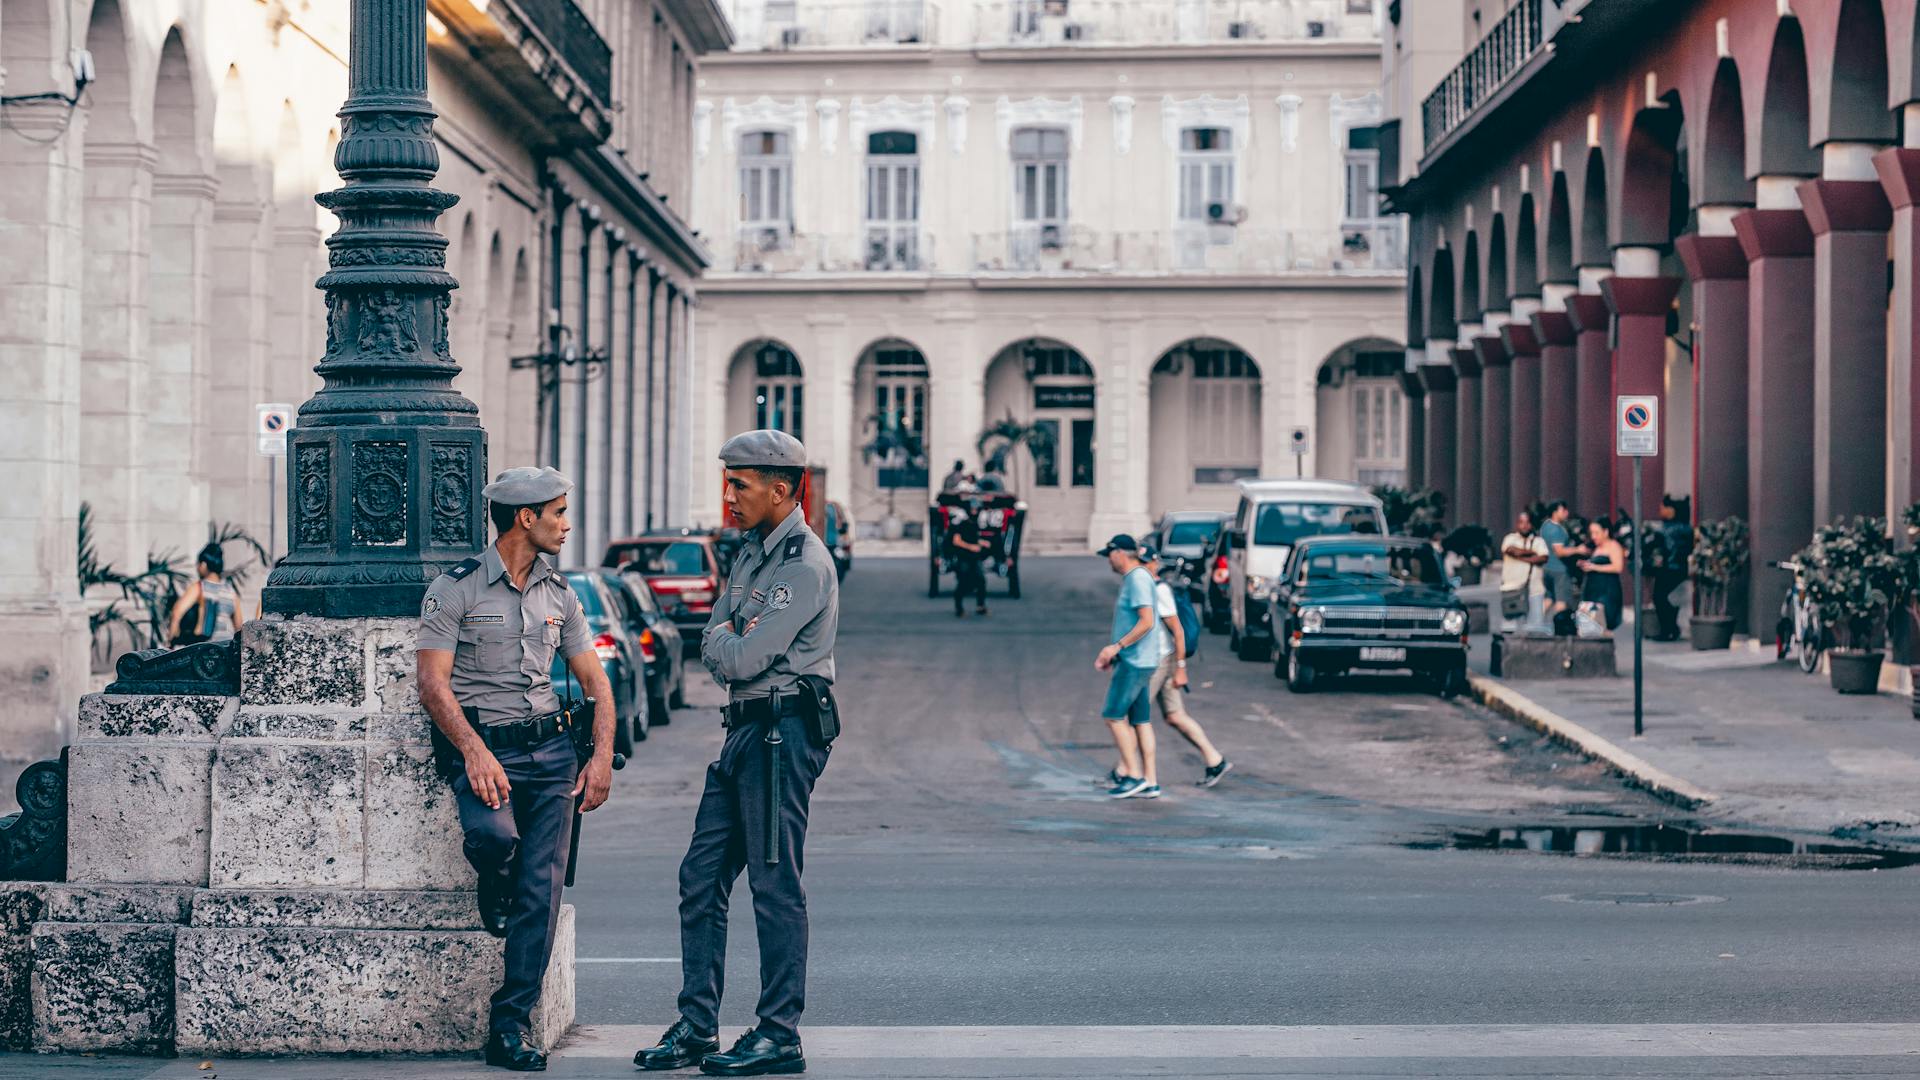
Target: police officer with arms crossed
770, 643
488, 631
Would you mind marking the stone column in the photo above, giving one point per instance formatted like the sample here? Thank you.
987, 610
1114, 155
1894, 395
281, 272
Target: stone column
1592, 431
1778, 245
1523, 426
1850, 216
1121, 423
1640, 300
1496, 407
1441, 430
1717, 270
1466, 472
1553, 331
1899, 171
1415, 392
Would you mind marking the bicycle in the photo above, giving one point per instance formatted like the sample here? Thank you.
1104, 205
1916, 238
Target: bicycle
1799, 628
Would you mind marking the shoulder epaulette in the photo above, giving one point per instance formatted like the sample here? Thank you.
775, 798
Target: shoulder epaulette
795, 545
464, 569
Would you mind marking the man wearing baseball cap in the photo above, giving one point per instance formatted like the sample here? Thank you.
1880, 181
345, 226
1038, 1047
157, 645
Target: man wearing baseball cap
1132, 654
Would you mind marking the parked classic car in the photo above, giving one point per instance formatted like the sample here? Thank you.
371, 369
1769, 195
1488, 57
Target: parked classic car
686, 571
619, 656
1361, 603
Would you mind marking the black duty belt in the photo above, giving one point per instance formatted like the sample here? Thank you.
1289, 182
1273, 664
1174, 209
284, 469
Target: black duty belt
756, 710
520, 734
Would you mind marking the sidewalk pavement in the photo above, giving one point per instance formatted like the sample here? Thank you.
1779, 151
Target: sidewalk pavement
1737, 737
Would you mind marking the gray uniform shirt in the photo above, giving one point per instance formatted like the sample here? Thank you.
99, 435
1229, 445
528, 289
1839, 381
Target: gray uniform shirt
788, 582
503, 639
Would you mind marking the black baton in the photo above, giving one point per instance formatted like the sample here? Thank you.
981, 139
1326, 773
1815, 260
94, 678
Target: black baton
583, 752
774, 763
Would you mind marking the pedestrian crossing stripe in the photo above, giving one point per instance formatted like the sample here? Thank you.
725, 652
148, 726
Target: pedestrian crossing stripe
1309, 1041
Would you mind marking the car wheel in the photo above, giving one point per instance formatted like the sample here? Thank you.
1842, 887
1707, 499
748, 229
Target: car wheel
623, 736
933, 580
656, 709
1279, 664
1300, 675
1453, 683
1218, 623
677, 700
1013, 582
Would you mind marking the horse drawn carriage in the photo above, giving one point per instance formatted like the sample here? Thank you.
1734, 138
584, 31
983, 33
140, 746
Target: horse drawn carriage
1001, 518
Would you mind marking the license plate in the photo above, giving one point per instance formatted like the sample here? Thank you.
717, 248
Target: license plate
1382, 653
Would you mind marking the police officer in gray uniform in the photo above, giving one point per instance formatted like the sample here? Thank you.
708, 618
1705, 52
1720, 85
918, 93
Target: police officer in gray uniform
488, 631
770, 643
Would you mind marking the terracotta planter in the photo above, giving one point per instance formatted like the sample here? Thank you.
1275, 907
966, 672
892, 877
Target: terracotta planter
1854, 671
1711, 632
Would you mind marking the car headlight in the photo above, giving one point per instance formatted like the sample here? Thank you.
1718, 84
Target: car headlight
1454, 622
1313, 620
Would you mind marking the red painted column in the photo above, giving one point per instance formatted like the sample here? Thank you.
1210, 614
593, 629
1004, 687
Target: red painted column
1779, 249
1466, 472
1900, 175
1496, 393
1523, 425
1592, 405
1850, 219
1640, 306
1558, 426
1717, 270
1442, 428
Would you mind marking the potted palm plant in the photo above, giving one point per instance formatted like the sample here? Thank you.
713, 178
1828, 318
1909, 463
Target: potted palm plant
1474, 545
897, 446
1854, 581
1001, 438
1720, 553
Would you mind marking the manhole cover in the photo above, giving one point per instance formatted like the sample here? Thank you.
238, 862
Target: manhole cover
1643, 899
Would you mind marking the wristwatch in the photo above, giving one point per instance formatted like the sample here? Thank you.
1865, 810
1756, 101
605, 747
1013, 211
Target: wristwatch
1180, 663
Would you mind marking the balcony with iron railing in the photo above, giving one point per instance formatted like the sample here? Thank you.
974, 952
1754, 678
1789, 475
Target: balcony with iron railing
572, 35
544, 56
1365, 247
1096, 23
1513, 41
778, 25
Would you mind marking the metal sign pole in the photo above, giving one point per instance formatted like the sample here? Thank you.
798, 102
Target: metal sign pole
273, 502
1639, 609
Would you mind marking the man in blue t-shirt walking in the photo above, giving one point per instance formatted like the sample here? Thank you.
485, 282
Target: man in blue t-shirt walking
1132, 653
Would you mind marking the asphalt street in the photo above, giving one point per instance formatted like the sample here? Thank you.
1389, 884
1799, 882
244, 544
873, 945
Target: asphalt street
981, 909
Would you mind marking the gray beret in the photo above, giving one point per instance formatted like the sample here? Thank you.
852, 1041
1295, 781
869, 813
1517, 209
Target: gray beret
527, 486
763, 447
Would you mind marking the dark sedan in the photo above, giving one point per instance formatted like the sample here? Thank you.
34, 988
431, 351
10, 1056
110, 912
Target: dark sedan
659, 642
619, 654
1359, 603
685, 570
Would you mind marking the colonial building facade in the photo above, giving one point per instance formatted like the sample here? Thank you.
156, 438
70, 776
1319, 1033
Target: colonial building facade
158, 161
1710, 202
1146, 230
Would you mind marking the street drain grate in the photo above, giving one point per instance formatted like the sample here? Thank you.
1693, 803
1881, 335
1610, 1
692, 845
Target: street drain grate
1633, 899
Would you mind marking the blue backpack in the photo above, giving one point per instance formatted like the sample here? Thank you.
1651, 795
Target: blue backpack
1189, 622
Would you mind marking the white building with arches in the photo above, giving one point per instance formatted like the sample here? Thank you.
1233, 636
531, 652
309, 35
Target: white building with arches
1149, 228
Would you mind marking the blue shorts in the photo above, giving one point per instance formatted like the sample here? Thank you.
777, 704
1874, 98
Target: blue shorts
1128, 695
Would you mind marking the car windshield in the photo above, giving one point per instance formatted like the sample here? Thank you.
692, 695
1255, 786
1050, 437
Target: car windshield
589, 596
1399, 565
666, 557
1289, 523
1192, 532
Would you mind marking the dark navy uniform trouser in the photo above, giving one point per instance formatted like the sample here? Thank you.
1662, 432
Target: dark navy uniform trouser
526, 839
730, 833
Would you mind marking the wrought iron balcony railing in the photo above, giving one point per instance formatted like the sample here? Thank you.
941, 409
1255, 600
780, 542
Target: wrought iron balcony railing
836, 24
1168, 22
570, 33
1497, 58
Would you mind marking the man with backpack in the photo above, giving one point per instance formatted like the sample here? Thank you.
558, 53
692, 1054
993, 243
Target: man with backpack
1180, 640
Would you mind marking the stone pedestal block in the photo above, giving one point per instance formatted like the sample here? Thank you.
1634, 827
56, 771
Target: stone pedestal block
348, 989
1527, 656
306, 661
288, 814
413, 838
155, 717
139, 811
21, 905
103, 986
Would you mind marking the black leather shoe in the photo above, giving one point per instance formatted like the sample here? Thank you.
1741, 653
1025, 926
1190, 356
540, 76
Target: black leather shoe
680, 1048
496, 901
756, 1055
509, 1050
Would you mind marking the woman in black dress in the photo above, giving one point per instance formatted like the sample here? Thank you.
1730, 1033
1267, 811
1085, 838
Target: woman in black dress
1601, 583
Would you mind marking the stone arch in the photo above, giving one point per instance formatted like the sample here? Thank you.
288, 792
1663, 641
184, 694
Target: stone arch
1047, 381
1559, 265
1783, 148
1723, 160
496, 322
1205, 425
1526, 251
1594, 250
1497, 294
1857, 95
521, 403
1654, 168
1360, 413
1471, 306
1440, 298
890, 379
766, 388
109, 103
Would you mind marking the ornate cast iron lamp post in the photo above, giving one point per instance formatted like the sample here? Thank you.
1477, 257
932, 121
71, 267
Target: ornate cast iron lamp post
387, 458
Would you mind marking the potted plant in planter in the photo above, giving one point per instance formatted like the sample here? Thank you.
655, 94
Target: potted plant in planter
1854, 581
1720, 552
1404, 509
1474, 545
896, 446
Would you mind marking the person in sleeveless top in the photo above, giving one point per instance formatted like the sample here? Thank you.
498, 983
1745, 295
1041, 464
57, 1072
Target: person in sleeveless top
208, 609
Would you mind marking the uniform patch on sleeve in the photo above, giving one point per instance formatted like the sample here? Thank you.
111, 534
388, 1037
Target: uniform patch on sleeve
795, 545
430, 607
781, 597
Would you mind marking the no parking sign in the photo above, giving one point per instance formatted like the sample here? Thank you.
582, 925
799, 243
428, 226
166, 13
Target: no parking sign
1638, 426
273, 420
